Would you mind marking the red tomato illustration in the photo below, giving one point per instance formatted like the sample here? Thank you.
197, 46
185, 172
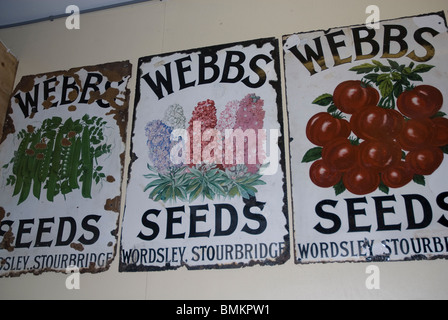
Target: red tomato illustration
397, 176
440, 137
340, 154
376, 123
323, 128
378, 155
416, 133
361, 180
323, 176
353, 95
425, 161
420, 102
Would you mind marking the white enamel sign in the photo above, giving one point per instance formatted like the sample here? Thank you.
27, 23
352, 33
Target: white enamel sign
206, 186
369, 137
62, 158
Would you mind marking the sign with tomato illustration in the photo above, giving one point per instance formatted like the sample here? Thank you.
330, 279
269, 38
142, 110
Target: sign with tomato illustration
370, 140
61, 159
207, 178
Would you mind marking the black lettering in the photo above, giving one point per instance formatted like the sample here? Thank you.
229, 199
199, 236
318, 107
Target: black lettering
327, 215
8, 223
430, 50
181, 73
208, 65
444, 206
310, 55
254, 216
427, 211
66, 85
161, 82
48, 89
21, 230
171, 220
88, 227
381, 210
358, 41
194, 218
352, 213
29, 101
92, 82
72, 233
233, 64
259, 71
42, 229
150, 225
233, 219
399, 38
334, 48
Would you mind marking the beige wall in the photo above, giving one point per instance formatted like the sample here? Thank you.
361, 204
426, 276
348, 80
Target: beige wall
163, 26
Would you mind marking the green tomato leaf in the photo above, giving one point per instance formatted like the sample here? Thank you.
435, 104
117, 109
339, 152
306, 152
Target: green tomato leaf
422, 68
323, 100
312, 155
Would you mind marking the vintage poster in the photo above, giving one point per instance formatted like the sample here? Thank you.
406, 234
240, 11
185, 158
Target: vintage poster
61, 159
369, 140
206, 184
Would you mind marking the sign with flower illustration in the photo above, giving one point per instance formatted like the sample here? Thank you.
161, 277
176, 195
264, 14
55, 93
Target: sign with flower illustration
207, 178
370, 140
61, 158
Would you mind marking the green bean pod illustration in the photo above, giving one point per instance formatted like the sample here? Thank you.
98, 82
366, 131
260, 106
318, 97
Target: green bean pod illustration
87, 164
58, 157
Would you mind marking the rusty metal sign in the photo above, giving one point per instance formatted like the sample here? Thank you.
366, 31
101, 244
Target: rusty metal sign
369, 127
61, 158
207, 178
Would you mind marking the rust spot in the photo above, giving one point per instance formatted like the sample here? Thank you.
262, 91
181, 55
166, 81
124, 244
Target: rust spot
8, 239
110, 179
77, 246
72, 108
30, 128
41, 146
113, 204
73, 95
65, 142
2, 213
48, 103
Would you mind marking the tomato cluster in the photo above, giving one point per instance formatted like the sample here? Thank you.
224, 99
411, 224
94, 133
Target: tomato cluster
377, 146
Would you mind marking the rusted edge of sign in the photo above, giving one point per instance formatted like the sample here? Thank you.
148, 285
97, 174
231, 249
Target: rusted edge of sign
275, 54
114, 72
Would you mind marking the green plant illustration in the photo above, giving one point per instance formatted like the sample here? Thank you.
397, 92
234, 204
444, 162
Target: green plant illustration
59, 157
204, 178
208, 181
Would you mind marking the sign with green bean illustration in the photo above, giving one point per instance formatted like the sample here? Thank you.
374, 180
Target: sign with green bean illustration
61, 170
207, 186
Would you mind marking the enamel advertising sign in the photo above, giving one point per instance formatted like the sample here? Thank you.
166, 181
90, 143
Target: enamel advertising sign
207, 180
61, 162
369, 143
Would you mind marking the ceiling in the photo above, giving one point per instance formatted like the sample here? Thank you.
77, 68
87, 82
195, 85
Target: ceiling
18, 12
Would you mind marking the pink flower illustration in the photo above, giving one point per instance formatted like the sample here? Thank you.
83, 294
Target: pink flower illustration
205, 115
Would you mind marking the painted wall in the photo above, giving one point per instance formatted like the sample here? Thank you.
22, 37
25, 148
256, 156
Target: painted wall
169, 25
